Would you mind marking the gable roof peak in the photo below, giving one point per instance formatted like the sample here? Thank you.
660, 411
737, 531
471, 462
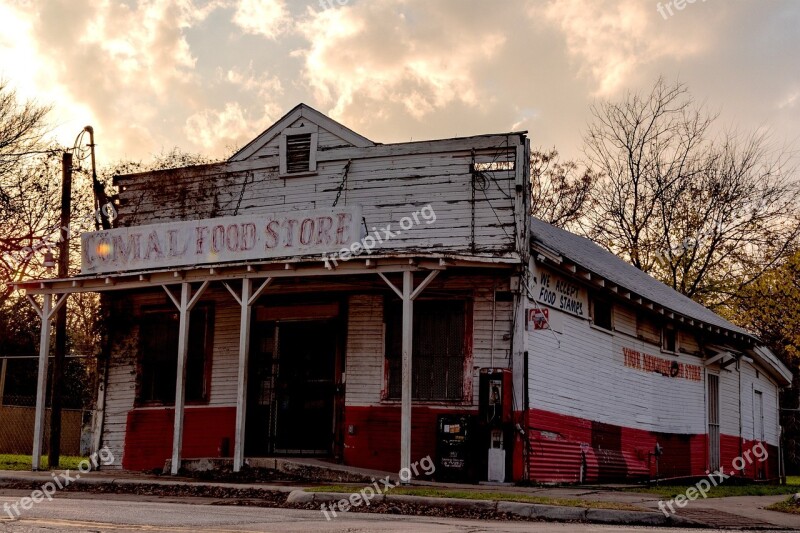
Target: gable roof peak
299, 111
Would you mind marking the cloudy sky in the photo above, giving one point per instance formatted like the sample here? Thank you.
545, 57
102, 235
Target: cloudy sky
208, 75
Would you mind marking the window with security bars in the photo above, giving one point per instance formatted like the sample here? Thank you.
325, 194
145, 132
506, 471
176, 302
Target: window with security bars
298, 153
439, 349
158, 356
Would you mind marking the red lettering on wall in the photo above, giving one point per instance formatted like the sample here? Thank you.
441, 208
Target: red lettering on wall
200, 233
324, 227
306, 231
343, 219
651, 363
271, 232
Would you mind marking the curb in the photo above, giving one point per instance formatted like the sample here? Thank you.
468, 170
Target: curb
91, 480
555, 513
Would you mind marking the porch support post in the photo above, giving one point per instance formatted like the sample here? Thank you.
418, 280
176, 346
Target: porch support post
41, 381
241, 383
408, 294
405, 406
246, 301
45, 312
185, 306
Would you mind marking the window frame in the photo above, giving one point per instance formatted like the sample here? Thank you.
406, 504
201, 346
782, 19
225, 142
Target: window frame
311, 130
208, 351
467, 378
676, 346
593, 316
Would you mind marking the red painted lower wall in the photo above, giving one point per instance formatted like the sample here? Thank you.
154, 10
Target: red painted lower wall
559, 445
563, 448
148, 435
376, 439
375, 442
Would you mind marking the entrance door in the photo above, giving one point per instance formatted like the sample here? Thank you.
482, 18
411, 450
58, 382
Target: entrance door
305, 388
713, 422
291, 388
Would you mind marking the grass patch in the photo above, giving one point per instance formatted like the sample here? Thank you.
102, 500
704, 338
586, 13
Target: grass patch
787, 506
725, 490
23, 462
486, 495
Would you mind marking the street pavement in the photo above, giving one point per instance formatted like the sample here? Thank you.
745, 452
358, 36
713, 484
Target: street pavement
132, 514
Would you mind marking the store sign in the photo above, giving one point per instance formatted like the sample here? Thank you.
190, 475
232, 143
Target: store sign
219, 240
665, 367
558, 292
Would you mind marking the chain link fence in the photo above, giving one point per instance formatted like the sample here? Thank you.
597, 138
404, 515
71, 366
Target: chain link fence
18, 407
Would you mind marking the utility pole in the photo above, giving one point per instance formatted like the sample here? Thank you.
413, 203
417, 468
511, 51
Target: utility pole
56, 391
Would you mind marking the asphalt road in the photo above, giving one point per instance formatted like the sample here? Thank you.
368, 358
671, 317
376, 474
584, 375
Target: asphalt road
126, 515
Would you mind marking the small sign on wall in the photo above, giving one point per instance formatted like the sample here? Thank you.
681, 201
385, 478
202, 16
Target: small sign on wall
539, 318
556, 291
543, 318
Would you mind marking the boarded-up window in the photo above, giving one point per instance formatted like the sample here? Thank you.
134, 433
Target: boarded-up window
439, 349
601, 314
648, 330
158, 356
298, 153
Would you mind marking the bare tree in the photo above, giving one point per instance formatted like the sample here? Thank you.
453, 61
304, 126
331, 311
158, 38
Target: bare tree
22, 127
560, 191
706, 216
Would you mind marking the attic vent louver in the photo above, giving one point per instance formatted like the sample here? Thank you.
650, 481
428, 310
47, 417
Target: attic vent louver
298, 152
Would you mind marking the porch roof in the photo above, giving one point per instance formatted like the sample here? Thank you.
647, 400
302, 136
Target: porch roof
259, 269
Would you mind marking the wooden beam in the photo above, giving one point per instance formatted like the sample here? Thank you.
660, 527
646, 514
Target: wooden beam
241, 379
406, 390
197, 295
397, 291
424, 284
180, 381
35, 305
41, 381
257, 293
171, 296
233, 292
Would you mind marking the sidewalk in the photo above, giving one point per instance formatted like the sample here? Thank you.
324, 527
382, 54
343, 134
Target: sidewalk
742, 512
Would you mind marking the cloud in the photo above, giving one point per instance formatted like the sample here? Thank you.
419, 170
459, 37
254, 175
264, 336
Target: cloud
231, 126
269, 18
611, 39
410, 57
211, 128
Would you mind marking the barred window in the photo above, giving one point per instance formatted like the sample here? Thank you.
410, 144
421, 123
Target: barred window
158, 356
439, 349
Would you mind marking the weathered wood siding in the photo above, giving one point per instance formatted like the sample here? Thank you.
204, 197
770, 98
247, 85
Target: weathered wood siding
366, 329
390, 182
579, 370
364, 347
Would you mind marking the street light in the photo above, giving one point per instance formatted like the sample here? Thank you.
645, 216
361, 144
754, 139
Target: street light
56, 391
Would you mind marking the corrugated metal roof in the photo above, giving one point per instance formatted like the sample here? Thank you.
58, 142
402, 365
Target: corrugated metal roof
590, 256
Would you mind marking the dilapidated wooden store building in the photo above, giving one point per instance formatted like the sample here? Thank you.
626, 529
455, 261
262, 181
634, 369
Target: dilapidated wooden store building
321, 294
